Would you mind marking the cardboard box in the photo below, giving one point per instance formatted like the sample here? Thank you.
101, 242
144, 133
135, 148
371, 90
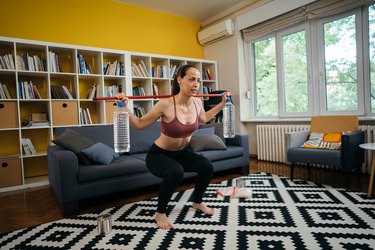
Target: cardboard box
10, 172
64, 113
8, 110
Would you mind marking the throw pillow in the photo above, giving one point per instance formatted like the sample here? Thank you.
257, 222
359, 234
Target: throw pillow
100, 153
324, 141
206, 142
204, 131
75, 142
218, 129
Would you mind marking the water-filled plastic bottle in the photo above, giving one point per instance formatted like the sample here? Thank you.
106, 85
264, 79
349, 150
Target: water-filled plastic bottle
121, 129
229, 125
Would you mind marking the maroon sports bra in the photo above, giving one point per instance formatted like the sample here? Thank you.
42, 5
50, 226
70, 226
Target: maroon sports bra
176, 129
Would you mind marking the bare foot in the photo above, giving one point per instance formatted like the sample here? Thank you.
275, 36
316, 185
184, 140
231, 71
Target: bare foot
202, 207
162, 221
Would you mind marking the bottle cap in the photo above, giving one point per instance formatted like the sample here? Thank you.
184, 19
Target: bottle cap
228, 99
120, 104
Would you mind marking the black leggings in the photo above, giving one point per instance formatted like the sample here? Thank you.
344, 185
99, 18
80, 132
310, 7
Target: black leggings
171, 165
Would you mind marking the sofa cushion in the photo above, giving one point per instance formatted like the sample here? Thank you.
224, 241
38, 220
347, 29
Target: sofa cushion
124, 165
100, 153
206, 142
75, 142
103, 134
204, 131
218, 126
141, 140
141, 156
217, 155
315, 156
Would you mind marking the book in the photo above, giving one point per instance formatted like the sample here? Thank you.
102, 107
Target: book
6, 91
67, 92
155, 89
2, 93
25, 147
31, 146
91, 92
39, 123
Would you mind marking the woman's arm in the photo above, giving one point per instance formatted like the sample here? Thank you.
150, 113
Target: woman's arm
204, 116
148, 119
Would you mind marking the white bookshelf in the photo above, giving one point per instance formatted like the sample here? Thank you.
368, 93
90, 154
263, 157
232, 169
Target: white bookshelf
18, 170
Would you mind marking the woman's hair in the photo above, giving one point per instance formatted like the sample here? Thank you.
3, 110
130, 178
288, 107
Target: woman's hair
180, 72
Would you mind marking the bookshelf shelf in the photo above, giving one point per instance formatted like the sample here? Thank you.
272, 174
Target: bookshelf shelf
53, 67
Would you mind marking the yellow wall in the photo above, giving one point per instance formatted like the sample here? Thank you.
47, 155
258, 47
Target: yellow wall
100, 23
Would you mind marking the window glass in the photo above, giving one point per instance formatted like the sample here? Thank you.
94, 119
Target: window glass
265, 77
340, 63
294, 66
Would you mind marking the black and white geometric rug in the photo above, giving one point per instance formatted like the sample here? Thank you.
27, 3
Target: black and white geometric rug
281, 214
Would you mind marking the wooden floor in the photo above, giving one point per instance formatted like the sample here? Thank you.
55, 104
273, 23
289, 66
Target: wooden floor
24, 208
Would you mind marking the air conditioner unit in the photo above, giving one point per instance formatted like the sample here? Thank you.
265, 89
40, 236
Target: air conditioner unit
216, 32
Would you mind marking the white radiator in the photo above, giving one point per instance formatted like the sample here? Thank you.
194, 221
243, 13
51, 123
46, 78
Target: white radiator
271, 142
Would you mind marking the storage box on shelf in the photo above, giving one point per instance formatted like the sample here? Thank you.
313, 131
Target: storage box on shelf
10, 172
59, 81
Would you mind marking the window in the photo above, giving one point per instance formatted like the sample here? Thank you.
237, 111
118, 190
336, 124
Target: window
317, 67
265, 77
291, 72
294, 73
340, 64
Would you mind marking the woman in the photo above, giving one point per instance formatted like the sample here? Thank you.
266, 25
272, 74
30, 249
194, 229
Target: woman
170, 155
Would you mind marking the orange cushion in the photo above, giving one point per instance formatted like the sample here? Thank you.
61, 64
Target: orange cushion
324, 141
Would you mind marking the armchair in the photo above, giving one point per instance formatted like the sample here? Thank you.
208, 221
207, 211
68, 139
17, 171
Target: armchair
348, 158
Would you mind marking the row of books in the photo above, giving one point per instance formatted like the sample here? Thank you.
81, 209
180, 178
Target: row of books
84, 67
139, 111
112, 90
172, 70
139, 69
206, 74
138, 91
30, 62
206, 89
114, 68
54, 62
28, 147
160, 71
85, 116
4, 92
60, 92
7, 62
28, 90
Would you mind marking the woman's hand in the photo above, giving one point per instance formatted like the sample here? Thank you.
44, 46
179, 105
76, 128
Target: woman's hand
122, 98
225, 95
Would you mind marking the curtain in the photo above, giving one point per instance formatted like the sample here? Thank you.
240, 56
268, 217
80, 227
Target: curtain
314, 10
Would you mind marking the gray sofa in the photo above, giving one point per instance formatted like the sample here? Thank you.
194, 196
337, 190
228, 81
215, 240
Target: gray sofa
73, 182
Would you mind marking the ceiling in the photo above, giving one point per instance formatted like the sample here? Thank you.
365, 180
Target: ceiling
195, 9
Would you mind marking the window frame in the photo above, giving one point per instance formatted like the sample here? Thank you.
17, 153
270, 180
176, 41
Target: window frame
316, 66
281, 78
321, 65
253, 76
